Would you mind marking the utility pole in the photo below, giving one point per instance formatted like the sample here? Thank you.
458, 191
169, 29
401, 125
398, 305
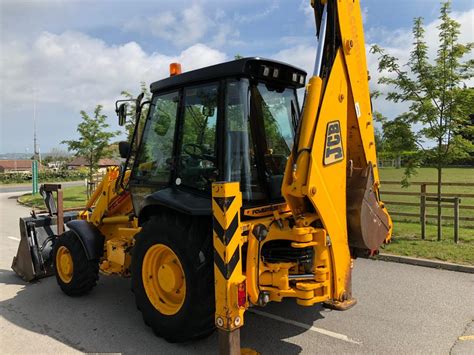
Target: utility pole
35, 165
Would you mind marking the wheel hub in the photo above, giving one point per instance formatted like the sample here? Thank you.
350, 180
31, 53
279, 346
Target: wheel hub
64, 264
163, 279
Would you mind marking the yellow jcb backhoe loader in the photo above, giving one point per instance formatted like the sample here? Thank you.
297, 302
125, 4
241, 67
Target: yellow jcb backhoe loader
230, 197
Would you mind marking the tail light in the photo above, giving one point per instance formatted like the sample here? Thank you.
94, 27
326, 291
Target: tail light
242, 294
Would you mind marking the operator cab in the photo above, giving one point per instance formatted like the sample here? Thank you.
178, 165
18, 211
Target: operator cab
234, 121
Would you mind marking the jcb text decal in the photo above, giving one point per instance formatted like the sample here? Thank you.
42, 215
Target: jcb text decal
333, 151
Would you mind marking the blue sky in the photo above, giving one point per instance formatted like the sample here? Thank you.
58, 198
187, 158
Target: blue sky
74, 54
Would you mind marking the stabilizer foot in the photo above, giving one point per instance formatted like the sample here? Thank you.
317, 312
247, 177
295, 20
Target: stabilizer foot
340, 306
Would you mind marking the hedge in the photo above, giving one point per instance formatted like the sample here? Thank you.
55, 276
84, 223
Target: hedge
43, 176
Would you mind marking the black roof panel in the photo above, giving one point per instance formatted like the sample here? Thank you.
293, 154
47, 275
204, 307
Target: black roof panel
240, 67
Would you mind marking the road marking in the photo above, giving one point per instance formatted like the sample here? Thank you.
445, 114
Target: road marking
306, 326
14, 238
466, 337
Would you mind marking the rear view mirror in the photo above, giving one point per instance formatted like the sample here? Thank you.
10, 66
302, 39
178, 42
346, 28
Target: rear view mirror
208, 111
122, 114
124, 149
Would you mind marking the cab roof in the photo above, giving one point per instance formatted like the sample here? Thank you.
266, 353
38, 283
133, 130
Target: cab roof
253, 67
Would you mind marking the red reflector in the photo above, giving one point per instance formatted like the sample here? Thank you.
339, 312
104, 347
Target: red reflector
242, 294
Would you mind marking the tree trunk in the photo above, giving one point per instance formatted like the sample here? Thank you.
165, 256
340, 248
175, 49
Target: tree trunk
440, 168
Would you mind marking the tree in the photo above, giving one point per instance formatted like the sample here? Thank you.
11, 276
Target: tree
435, 91
397, 138
94, 139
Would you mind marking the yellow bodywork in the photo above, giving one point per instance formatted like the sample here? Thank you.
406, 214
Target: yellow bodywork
110, 210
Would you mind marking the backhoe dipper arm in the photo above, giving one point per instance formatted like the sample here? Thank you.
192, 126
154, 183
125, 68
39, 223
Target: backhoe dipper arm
332, 171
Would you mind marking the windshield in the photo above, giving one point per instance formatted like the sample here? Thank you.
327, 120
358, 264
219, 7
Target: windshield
260, 124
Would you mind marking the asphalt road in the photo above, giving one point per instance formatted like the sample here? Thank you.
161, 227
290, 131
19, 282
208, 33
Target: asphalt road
401, 309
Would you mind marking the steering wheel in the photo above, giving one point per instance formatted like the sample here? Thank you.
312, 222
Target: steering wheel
196, 151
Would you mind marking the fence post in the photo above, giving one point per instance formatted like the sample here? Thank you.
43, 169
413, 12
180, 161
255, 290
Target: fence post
457, 200
423, 210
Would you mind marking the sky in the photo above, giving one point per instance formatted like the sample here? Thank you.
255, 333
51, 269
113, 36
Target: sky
58, 57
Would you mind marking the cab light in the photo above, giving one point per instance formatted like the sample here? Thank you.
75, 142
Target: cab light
295, 77
266, 71
242, 294
175, 69
276, 72
302, 79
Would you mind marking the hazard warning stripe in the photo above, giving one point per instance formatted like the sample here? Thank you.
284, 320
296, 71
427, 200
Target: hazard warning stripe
227, 269
224, 202
225, 235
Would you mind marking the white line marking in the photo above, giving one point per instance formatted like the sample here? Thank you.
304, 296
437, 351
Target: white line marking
306, 326
14, 238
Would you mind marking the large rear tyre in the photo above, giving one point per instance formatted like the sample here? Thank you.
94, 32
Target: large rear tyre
173, 276
75, 274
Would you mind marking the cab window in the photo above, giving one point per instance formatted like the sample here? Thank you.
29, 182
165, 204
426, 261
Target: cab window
154, 163
197, 160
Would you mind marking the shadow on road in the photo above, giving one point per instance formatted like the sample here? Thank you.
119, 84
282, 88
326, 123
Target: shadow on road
106, 320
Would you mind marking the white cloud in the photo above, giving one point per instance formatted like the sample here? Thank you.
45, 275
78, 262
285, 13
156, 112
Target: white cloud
246, 19
79, 71
180, 28
70, 72
185, 27
302, 56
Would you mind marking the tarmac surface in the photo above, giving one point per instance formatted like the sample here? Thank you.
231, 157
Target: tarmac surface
401, 309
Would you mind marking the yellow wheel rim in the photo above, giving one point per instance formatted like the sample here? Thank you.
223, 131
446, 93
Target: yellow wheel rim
163, 279
64, 264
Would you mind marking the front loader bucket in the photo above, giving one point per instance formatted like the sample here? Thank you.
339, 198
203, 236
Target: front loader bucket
368, 223
34, 256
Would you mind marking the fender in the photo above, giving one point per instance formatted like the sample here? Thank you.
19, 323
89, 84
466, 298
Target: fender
90, 237
180, 201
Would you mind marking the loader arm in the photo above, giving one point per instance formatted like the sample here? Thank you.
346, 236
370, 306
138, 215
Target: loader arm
332, 173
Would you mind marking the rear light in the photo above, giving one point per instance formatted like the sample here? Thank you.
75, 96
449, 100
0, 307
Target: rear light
242, 294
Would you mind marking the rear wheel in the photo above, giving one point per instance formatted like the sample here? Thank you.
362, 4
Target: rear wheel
172, 276
75, 274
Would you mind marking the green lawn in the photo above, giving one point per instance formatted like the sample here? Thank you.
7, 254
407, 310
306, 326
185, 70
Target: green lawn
74, 196
407, 231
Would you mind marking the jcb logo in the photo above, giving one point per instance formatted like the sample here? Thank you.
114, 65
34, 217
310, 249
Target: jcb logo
333, 151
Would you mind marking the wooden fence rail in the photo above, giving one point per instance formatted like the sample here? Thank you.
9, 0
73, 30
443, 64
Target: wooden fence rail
418, 183
448, 200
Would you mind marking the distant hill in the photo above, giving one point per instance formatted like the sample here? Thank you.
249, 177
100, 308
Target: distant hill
15, 156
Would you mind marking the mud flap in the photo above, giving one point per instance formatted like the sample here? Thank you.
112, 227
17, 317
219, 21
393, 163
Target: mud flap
368, 223
34, 255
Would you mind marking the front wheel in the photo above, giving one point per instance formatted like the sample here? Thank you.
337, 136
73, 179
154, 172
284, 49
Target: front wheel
172, 276
75, 274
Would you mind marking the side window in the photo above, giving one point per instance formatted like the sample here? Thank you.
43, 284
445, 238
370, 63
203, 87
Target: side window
156, 153
198, 162
240, 160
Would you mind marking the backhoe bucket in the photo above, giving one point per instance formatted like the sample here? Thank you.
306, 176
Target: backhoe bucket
34, 255
368, 222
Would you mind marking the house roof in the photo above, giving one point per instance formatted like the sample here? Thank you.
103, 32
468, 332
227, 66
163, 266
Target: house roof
81, 161
16, 164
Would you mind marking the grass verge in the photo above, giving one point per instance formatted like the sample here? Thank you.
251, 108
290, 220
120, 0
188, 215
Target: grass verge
407, 241
74, 196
